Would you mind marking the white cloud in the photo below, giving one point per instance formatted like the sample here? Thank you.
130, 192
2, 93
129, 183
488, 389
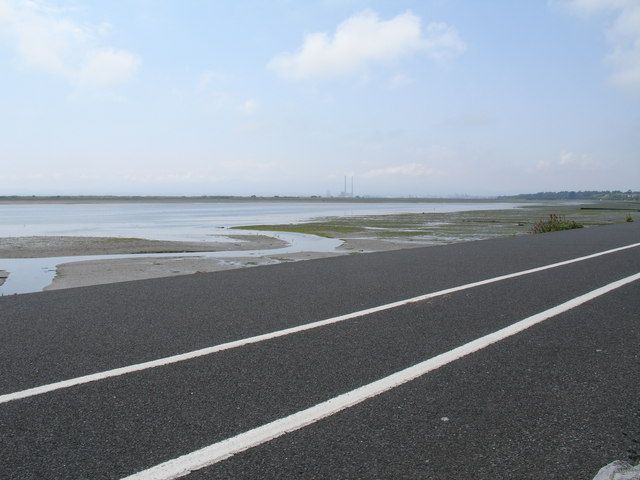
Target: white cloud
569, 161
45, 40
592, 6
106, 67
623, 35
404, 170
363, 39
442, 41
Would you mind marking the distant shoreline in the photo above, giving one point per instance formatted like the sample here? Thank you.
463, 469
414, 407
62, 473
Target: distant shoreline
228, 199
564, 196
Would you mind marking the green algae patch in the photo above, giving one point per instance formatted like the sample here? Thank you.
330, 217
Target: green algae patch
447, 227
320, 229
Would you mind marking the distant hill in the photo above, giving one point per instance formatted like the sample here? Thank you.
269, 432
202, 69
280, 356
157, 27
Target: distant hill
580, 195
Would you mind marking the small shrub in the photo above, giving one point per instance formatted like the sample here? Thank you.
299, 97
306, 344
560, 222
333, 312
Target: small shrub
554, 223
629, 218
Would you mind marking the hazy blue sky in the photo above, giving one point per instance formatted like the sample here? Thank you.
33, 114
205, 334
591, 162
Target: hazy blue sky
420, 97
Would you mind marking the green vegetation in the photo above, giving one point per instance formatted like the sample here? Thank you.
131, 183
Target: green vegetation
436, 228
554, 223
571, 195
320, 229
629, 218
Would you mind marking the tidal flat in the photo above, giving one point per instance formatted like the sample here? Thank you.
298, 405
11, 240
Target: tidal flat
63, 246
75, 261
383, 232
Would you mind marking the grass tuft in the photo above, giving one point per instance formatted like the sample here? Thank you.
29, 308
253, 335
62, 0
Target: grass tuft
554, 223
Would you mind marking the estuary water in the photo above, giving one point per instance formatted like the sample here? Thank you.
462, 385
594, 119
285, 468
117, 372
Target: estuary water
181, 221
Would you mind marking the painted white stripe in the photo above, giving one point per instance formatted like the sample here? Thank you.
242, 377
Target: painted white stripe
281, 333
181, 466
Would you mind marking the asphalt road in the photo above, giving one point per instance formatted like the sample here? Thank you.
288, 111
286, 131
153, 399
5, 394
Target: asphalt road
558, 400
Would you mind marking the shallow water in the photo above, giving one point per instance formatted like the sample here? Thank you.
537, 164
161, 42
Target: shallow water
178, 222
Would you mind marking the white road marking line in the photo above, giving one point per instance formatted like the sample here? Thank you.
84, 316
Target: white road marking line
30, 392
207, 456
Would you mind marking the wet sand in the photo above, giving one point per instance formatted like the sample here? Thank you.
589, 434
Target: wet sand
33, 247
103, 271
96, 272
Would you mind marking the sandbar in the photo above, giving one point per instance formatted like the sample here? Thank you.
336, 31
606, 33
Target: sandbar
96, 272
49, 246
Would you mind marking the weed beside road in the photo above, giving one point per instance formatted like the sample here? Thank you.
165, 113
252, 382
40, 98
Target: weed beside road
555, 223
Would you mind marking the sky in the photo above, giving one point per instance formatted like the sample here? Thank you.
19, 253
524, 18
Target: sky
287, 97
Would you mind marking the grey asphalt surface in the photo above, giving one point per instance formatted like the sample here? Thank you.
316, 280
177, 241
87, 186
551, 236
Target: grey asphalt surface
557, 401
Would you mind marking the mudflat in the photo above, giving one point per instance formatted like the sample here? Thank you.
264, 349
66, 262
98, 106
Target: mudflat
50, 246
95, 272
